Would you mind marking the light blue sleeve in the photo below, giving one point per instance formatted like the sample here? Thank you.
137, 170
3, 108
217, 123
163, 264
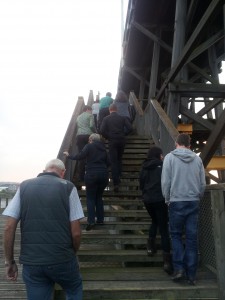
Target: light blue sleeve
202, 180
76, 210
13, 208
166, 178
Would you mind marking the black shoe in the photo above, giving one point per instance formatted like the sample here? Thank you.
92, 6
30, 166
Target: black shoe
116, 188
191, 282
151, 246
178, 276
100, 223
90, 227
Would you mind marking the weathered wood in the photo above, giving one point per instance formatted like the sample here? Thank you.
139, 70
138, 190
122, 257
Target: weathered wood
218, 208
198, 90
214, 5
214, 139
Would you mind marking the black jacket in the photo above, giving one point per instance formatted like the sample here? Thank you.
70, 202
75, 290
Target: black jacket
113, 127
96, 156
150, 180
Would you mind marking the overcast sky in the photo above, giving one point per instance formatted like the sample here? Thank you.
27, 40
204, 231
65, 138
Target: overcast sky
51, 52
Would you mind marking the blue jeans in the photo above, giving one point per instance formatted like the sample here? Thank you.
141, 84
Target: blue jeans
96, 182
40, 280
183, 218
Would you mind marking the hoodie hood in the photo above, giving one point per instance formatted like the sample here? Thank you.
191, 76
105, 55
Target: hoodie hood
100, 146
152, 163
184, 154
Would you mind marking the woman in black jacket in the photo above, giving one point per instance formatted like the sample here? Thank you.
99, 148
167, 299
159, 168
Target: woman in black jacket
150, 184
96, 177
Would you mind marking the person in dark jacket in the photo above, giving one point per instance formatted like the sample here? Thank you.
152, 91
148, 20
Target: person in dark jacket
96, 177
112, 129
150, 185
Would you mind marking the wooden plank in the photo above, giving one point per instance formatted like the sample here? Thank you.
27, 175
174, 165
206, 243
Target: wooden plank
198, 90
214, 140
188, 113
165, 120
218, 209
216, 163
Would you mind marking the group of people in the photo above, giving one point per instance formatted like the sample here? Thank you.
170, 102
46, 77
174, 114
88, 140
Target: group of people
49, 211
94, 160
171, 190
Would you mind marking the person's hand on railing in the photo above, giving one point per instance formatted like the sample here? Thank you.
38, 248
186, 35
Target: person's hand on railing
66, 153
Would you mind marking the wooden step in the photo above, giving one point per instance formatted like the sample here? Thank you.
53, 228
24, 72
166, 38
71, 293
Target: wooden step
114, 239
124, 213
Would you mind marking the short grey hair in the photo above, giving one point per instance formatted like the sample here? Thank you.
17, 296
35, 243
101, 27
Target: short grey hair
95, 137
55, 164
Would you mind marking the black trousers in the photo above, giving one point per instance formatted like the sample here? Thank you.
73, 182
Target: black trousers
81, 141
116, 149
158, 212
102, 114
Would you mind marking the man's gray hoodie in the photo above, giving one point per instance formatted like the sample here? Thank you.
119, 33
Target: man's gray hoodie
183, 176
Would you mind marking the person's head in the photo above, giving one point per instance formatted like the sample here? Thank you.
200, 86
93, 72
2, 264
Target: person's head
94, 137
183, 140
97, 99
155, 152
121, 96
108, 94
112, 108
56, 166
87, 108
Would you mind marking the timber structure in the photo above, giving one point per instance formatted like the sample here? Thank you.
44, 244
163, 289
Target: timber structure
172, 57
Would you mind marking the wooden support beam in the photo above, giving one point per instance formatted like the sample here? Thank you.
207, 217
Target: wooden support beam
171, 129
135, 74
152, 36
214, 139
218, 210
216, 163
193, 116
212, 177
214, 5
134, 101
198, 89
185, 128
202, 73
206, 45
209, 106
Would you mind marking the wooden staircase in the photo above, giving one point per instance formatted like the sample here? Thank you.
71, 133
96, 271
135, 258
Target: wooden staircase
113, 258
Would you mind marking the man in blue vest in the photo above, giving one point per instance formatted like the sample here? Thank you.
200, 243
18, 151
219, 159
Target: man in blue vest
49, 210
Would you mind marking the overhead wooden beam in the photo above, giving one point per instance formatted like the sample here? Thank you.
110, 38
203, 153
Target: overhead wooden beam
202, 73
135, 74
214, 139
206, 45
152, 36
214, 5
193, 116
198, 89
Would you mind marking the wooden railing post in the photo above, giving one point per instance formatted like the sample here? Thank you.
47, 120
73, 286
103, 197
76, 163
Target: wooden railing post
218, 209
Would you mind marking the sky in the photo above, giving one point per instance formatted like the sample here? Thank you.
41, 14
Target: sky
51, 52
